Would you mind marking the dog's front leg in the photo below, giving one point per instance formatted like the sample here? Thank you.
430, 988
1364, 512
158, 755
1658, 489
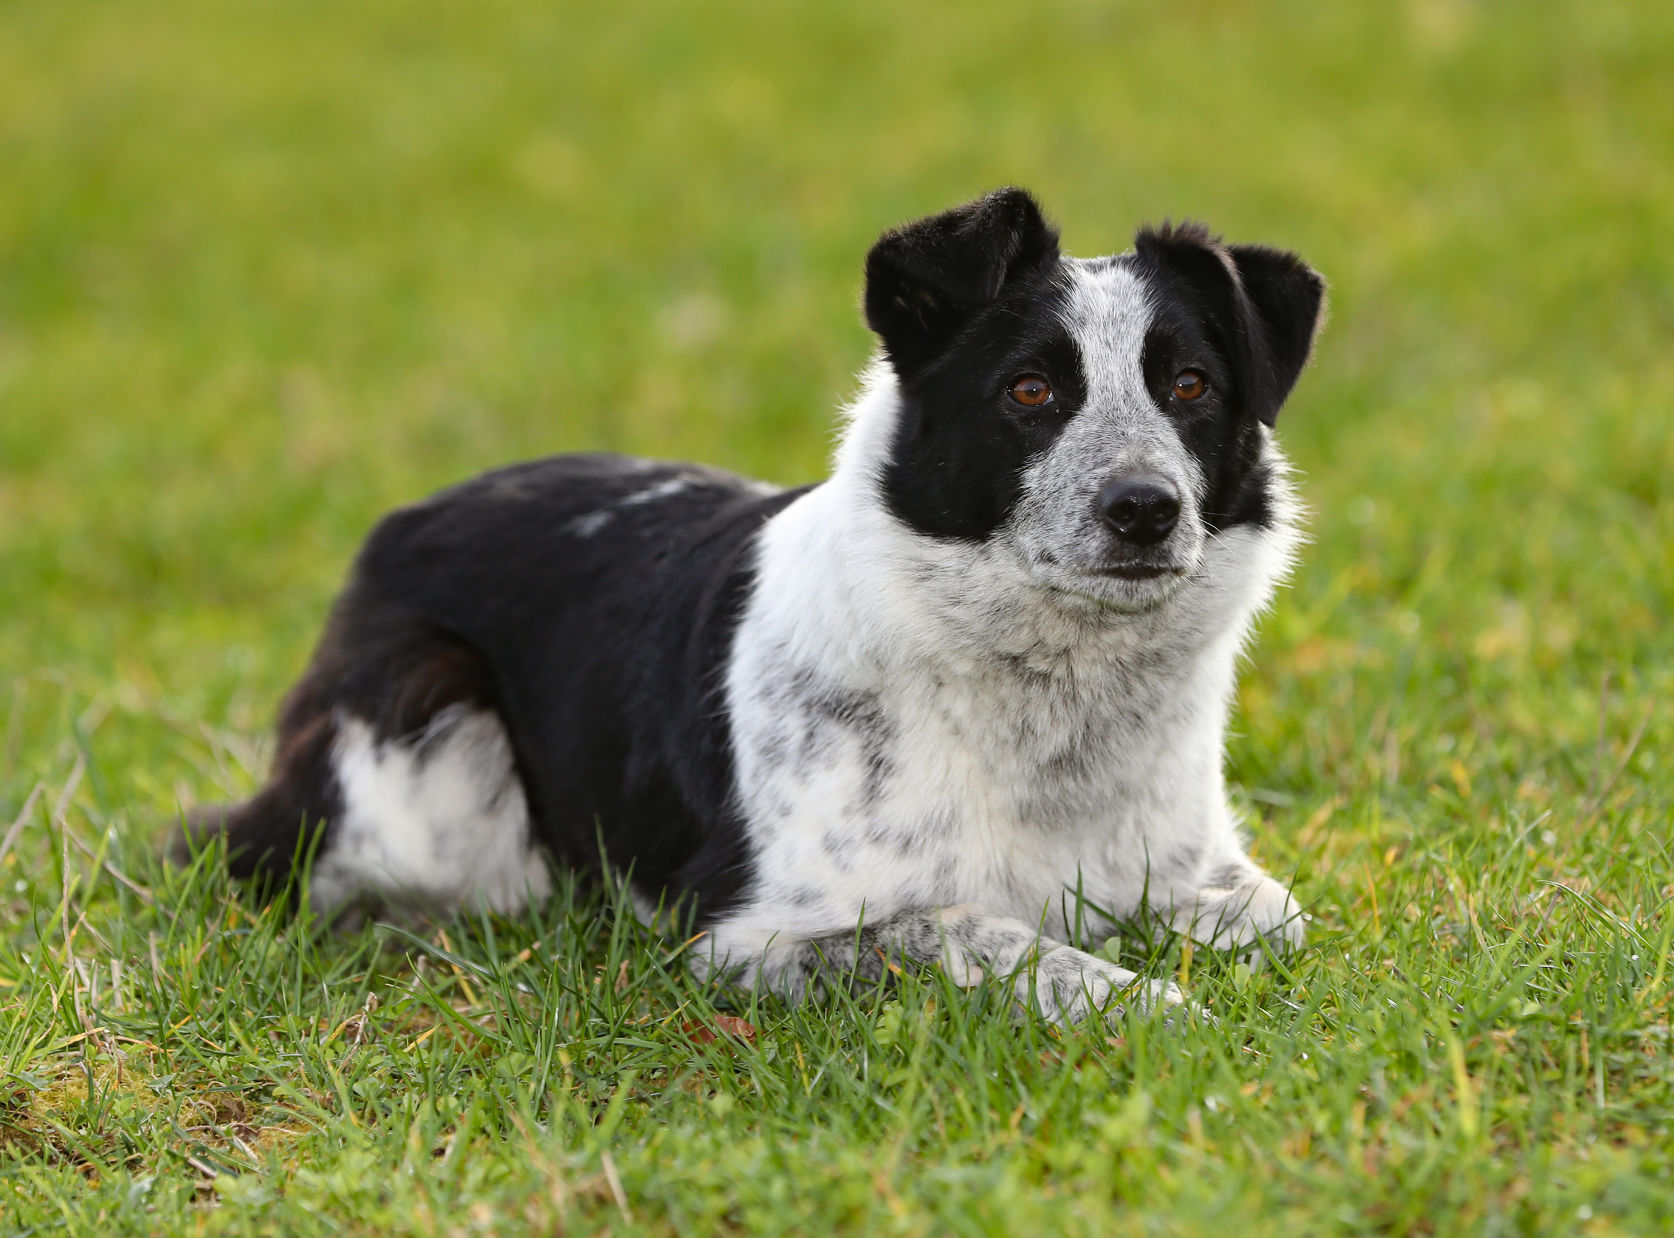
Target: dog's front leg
1241, 908
1065, 985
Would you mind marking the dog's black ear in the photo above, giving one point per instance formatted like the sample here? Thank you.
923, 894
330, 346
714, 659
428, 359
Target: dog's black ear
1288, 296
1265, 303
926, 279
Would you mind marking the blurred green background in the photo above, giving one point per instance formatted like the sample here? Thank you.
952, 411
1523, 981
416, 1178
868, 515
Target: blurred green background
269, 268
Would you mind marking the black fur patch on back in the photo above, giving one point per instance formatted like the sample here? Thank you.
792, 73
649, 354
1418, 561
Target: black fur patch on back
603, 594
590, 602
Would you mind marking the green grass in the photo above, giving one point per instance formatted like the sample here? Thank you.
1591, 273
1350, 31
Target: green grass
267, 269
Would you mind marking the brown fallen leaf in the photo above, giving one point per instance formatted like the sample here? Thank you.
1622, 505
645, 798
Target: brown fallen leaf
732, 1025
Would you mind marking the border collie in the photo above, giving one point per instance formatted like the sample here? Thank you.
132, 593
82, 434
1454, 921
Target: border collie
927, 710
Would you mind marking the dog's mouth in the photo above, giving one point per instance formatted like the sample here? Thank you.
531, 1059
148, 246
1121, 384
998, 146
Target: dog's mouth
1121, 586
1139, 571
1124, 569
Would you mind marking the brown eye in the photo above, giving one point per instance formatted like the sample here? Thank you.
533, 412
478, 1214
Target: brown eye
1031, 391
1189, 385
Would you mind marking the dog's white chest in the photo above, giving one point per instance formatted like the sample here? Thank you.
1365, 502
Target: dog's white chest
1014, 791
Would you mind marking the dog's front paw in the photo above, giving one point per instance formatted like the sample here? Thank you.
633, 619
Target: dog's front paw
1071, 987
1254, 916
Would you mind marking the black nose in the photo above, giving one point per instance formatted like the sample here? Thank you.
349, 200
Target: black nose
1141, 509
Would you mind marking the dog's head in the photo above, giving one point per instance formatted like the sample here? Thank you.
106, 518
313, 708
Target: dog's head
1104, 417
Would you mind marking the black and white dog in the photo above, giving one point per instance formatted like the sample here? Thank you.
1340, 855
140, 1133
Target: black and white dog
930, 709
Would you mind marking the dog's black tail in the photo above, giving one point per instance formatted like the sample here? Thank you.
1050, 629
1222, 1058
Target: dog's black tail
270, 835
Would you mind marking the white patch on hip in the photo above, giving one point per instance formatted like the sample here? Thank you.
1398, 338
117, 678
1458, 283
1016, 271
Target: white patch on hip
436, 820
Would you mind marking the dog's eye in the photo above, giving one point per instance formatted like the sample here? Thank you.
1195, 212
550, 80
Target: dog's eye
1031, 391
1189, 385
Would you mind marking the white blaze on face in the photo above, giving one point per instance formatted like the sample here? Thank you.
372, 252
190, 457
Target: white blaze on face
1108, 311
1119, 431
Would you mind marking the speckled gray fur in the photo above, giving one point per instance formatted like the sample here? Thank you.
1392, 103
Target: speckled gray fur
1065, 984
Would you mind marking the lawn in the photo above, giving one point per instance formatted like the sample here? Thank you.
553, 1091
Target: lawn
267, 269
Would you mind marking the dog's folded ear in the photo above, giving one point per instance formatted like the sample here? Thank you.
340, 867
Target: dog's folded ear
926, 279
1266, 303
1288, 296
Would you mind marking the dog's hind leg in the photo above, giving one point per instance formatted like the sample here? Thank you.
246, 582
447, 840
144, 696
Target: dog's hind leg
396, 774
